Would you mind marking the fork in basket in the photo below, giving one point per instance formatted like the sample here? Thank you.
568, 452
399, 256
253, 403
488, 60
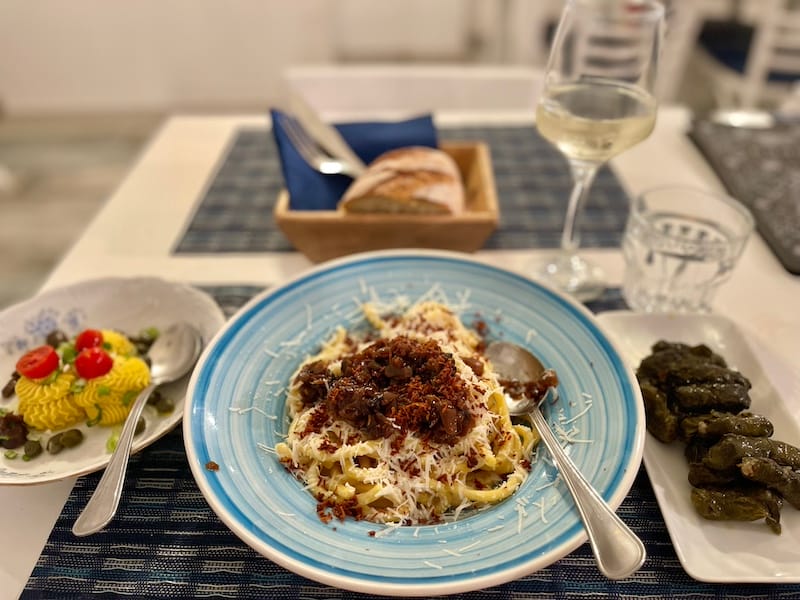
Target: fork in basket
316, 157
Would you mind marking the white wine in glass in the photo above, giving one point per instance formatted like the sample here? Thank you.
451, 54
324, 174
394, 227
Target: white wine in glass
597, 101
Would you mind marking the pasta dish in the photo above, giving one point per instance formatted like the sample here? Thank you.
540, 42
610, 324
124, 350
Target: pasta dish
405, 423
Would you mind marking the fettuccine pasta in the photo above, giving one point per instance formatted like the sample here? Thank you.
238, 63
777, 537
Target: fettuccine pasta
405, 425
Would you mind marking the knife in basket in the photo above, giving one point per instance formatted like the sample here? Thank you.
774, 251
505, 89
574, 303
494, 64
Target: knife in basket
324, 134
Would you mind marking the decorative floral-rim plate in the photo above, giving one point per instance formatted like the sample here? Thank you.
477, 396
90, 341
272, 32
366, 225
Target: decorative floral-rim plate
126, 304
236, 413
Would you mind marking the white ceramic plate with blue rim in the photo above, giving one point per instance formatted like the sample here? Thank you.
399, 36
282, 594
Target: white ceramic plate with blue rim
128, 304
236, 413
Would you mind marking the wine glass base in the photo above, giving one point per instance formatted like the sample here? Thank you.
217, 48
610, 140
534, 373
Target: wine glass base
571, 274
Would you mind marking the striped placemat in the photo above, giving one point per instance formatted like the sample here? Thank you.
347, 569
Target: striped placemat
166, 542
235, 212
761, 169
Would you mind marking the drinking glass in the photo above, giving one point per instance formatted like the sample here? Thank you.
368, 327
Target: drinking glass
597, 101
680, 245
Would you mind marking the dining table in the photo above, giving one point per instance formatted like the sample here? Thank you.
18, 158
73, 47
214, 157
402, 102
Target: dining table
197, 207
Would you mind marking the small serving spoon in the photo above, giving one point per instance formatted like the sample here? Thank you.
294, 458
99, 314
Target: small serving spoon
173, 353
617, 550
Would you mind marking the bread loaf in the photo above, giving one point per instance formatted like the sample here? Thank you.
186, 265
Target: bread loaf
416, 180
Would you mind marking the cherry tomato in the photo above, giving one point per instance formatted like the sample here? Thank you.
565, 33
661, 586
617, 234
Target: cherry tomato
38, 363
93, 362
88, 338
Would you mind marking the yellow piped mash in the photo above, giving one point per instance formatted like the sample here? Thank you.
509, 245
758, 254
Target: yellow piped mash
107, 399
49, 404
63, 399
117, 343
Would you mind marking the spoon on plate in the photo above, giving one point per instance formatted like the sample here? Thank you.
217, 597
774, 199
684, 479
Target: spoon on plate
617, 550
173, 353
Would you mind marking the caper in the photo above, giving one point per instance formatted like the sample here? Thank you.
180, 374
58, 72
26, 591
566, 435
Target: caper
54, 445
140, 426
10, 387
165, 406
142, 344
161, 403
32, 449
56, 338
71, 438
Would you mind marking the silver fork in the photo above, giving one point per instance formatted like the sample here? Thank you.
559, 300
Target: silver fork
314, 155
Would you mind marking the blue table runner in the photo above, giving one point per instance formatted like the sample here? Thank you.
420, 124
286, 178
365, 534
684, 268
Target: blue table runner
166, 542
235, 212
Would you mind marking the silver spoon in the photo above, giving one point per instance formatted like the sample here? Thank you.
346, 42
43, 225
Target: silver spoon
618, 551
173, 353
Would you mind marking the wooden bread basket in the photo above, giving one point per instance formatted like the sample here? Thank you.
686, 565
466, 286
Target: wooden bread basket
322, 235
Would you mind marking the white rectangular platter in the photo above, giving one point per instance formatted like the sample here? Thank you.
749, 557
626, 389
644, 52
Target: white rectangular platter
709, 550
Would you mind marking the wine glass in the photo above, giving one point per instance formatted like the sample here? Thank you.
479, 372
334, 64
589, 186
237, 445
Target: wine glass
597, 101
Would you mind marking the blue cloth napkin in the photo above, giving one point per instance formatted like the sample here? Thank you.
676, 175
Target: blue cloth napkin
311, 190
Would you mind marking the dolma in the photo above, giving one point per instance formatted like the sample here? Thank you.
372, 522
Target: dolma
727, 397
732, 448
739, 504
697, 449
782, 479
668, 357
660, 421
697, 373
701, 476
700, 351
716, 424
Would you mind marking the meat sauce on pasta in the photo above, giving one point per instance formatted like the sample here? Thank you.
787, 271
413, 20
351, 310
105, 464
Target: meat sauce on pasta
406, 424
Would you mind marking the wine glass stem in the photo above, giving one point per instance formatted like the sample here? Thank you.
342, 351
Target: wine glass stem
582, 176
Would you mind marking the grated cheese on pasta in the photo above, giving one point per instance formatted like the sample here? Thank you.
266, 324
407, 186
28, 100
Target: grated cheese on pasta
395, 466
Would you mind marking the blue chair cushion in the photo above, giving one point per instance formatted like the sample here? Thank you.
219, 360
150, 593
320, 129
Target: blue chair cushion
729, 43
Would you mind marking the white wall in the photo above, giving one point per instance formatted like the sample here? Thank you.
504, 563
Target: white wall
84, 55
124, 55
437, 28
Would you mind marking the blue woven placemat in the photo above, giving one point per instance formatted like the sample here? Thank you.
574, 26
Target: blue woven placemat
533, 183
760, 167
166, 542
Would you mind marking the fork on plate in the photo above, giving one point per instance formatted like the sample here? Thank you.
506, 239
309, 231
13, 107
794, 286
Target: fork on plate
316, 157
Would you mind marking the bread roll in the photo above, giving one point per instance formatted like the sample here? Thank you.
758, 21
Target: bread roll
416, 180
